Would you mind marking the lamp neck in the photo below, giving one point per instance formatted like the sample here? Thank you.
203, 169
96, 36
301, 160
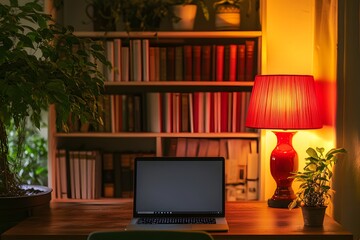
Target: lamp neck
284, 137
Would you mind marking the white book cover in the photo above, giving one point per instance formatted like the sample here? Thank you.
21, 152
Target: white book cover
153, 112
135, 60
117, 60
145, 60
83, 174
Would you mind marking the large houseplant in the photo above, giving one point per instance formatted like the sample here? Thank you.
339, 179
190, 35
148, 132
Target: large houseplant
41, 63
314, 192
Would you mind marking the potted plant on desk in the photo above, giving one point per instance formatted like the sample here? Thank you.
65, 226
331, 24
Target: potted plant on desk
38, 68
314, 192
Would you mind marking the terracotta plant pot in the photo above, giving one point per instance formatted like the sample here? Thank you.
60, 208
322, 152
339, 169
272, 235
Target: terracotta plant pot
15, 209
313, 216
187, 14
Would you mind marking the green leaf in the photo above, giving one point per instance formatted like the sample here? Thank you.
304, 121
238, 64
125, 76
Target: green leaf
312, 153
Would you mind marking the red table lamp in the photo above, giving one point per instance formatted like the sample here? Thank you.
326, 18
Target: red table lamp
283, 102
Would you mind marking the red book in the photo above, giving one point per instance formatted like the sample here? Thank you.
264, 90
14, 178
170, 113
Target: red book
249, 63
220, 62
241, 62
206, 63
207, 112
152, 64
184, 107
197, 63
179, 63
167, 112
226, 64
232, 62
188, 61
163, 64
176, 110
170, 65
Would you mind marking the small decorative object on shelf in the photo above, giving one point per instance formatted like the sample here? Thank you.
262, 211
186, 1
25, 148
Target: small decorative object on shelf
185, 11
227, 14
314, 192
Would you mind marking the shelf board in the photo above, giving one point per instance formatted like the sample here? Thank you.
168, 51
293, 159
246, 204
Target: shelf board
177, 86
172, 34
160, 135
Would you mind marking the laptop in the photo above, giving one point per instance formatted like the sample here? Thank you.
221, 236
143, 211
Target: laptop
179, 193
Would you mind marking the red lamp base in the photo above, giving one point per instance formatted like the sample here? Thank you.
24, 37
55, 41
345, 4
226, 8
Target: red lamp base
283, 161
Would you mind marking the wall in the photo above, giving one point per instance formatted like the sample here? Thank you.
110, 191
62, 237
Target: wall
289, 36
347, 172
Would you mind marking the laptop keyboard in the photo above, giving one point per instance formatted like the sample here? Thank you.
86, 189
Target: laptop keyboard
177, 220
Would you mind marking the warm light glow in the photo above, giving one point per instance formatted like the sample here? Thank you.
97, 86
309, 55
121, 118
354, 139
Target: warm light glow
283, 102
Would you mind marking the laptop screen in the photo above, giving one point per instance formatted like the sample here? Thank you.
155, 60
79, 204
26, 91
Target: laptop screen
179, 186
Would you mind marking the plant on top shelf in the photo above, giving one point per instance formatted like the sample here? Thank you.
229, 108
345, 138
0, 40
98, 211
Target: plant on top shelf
144, 14
200, 3
315, 190
42, 64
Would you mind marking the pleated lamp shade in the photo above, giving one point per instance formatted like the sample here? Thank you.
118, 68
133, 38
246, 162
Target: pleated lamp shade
283, 102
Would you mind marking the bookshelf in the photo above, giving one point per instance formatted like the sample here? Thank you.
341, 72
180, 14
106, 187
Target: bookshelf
145, 140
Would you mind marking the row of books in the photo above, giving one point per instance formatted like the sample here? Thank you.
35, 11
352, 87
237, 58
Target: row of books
84, 174
92, 174
241, 162
141, 61
199, 112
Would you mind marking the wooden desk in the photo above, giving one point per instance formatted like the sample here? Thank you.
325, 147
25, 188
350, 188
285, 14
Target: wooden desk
247, 220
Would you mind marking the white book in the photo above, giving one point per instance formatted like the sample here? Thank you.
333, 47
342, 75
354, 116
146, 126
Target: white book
153, 112
157, 64
90, 174
117, 60
145, 60
83, 174
77, 174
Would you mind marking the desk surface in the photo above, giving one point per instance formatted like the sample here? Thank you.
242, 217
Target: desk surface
247, 220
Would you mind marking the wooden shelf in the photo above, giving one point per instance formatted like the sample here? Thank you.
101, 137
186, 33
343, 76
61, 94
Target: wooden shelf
177, 86
172, 34
155, 135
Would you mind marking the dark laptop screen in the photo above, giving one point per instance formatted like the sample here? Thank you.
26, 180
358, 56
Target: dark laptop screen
179, 186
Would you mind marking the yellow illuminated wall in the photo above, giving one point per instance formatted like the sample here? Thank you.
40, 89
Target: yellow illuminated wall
293, 44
